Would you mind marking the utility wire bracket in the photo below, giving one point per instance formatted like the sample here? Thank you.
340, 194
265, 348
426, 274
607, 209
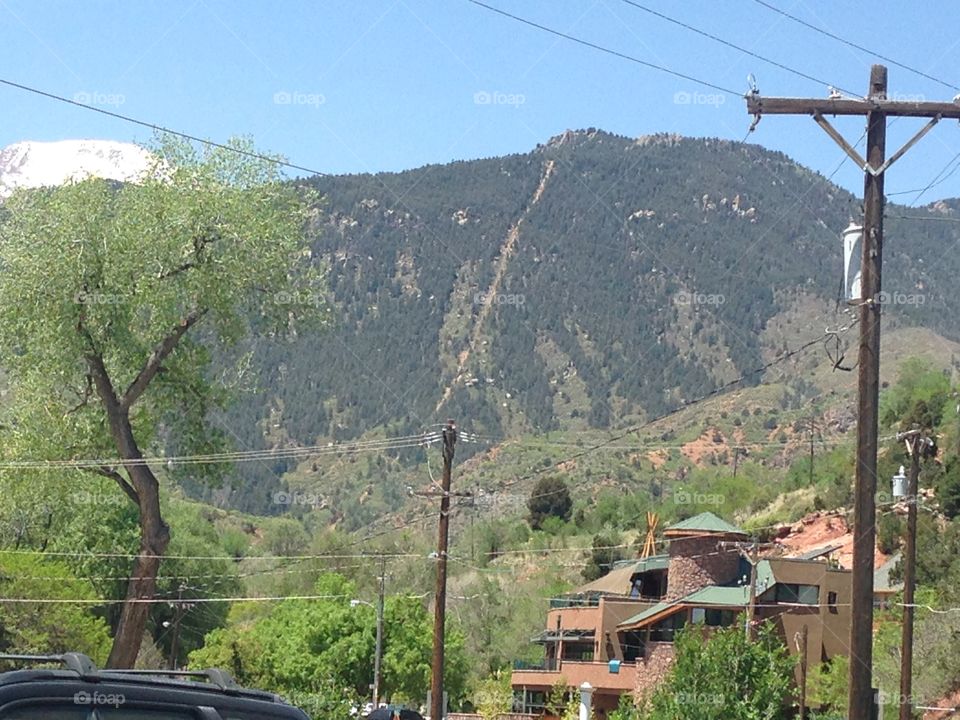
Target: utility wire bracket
856, 157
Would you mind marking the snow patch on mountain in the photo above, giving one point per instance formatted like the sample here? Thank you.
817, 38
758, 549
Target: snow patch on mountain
33, 164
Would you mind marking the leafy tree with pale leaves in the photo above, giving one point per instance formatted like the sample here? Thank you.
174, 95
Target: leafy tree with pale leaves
112, 301
724, 676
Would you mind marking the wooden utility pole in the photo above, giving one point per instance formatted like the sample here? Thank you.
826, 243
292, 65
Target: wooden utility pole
917, 443
751, 553
378, 656
440, 600
876, 108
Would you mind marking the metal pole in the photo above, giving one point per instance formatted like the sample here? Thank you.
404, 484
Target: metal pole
860, 703
440, 602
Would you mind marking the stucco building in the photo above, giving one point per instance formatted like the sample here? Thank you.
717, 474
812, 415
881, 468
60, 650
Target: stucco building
617, 632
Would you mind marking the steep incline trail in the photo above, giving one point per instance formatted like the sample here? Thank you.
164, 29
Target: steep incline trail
506, 251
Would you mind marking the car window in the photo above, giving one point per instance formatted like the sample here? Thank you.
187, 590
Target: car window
45, 711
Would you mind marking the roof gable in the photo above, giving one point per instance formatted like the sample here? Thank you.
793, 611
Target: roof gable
704, 523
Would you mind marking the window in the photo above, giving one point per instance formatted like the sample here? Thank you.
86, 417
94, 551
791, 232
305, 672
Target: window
797, 593
832, 601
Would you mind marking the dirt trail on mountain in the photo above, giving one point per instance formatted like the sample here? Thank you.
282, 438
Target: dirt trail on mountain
506, 252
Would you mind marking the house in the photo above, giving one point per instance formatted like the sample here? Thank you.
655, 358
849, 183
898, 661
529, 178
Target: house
617, 632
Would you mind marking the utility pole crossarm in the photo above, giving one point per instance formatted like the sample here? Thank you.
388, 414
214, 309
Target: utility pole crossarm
759, 105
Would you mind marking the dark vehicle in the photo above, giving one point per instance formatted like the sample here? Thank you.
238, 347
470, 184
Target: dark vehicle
77, 690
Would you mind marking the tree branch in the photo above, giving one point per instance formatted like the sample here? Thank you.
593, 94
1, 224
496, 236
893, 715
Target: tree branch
109, 472
160, 353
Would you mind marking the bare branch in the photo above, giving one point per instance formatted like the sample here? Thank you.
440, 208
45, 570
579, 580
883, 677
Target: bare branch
112, 474
85, 397
160, 353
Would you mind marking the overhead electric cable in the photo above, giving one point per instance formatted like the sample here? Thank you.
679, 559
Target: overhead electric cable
738, 48
160, 128
601, 48
854, 45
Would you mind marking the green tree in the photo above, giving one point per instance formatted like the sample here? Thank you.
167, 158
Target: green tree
604, 553
111, 299
724, 676
550, 498
827, 684
493, 696
49, 627
301, 646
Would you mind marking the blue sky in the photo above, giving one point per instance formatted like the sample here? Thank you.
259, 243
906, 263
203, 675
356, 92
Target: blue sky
370, 85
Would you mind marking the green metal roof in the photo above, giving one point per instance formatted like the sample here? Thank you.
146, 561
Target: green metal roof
705, 522
712, 595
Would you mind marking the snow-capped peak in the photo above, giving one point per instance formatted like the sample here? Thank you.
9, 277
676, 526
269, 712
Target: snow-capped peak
42, 164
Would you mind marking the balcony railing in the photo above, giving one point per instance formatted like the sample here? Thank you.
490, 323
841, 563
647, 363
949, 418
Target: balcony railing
542, 665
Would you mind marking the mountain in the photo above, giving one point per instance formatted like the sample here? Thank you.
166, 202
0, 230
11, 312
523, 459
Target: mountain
41, 164
593, 281
590, 283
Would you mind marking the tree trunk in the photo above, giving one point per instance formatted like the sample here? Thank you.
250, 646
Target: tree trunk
154, 538
154, 532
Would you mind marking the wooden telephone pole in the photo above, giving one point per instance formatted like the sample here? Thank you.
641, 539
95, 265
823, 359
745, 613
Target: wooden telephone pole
876, 108
440, 601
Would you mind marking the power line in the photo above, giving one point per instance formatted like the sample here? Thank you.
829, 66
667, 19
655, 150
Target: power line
345, 447
854, 45
601, 48
684, 406
738, 48
161, 128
